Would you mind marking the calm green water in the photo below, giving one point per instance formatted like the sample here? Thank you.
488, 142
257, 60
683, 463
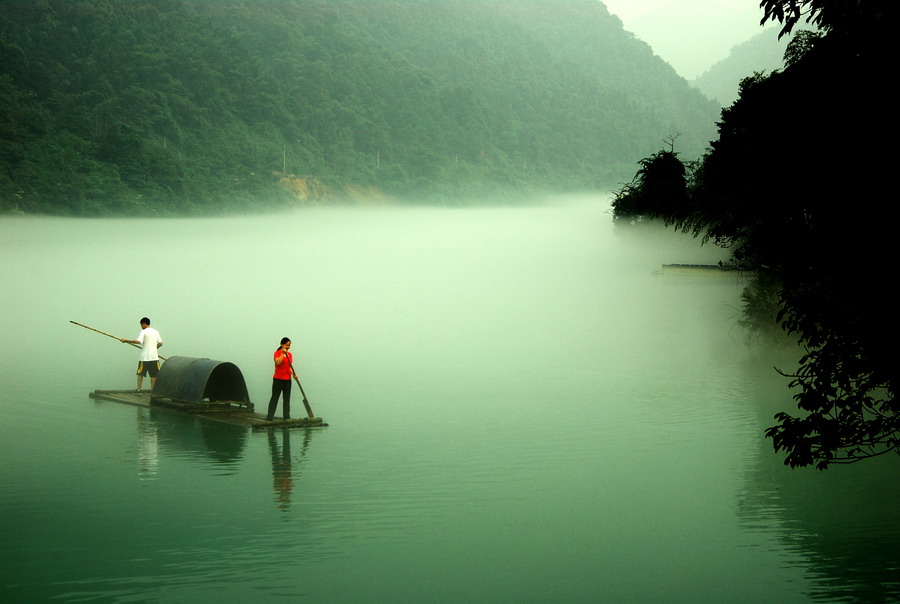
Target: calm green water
520, 410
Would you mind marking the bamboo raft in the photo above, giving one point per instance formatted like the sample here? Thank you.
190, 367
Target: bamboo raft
208, 389
718, 268
699, 270
226, 412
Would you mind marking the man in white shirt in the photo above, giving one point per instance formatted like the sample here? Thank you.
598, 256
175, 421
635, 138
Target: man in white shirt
149, 340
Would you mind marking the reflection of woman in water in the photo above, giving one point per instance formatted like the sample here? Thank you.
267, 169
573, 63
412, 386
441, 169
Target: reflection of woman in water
282, 477
281, 381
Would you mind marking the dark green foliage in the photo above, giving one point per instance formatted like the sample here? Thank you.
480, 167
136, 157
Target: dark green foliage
794, 185
658, 190
801, 44
200, 105
853, 17
761, 300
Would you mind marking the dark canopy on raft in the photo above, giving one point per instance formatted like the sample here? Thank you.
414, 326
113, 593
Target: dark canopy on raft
190, 380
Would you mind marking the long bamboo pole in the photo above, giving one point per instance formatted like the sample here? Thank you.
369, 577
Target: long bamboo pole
111, 336
309, 410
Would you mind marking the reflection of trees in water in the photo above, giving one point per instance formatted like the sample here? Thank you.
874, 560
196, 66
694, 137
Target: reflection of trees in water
844, 521
282, 463
160, 431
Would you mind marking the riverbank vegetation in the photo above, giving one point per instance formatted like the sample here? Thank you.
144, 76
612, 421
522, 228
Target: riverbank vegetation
200, 106
794, 186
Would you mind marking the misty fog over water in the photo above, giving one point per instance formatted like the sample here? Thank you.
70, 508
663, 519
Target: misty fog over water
522, 407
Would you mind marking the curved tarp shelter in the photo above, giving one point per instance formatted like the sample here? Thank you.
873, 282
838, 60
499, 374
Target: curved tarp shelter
190, 380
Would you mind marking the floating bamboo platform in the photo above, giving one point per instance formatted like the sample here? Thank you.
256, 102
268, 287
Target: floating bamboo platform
235, 413
699, 270
699, 267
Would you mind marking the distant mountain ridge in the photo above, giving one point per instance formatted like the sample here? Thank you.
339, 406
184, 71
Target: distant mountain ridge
181, 106
761, 53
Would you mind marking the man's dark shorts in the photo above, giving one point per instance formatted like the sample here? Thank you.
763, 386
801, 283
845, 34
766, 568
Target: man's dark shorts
145, 367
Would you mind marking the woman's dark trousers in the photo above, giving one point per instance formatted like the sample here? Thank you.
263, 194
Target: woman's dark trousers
282, 387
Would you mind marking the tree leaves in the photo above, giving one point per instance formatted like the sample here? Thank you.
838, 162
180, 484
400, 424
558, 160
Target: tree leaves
793, 186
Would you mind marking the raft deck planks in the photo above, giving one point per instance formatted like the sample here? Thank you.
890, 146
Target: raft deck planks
235, 414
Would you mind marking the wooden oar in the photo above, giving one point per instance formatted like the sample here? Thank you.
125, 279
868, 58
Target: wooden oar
309, 410
111, 336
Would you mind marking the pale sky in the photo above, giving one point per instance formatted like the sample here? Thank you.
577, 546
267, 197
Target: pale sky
690, 35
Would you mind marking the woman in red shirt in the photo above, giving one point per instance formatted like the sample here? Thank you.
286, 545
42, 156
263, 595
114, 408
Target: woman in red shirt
281, 381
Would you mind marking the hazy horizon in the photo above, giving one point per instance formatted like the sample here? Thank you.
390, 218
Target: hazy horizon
690, 35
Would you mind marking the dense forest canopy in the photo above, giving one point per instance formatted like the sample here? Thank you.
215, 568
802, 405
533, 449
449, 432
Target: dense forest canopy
795, 186
194, 106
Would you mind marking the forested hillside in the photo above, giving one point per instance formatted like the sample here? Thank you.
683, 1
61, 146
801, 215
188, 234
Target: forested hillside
761, 53
180, 106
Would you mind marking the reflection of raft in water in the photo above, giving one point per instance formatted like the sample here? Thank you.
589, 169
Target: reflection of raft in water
213, 390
